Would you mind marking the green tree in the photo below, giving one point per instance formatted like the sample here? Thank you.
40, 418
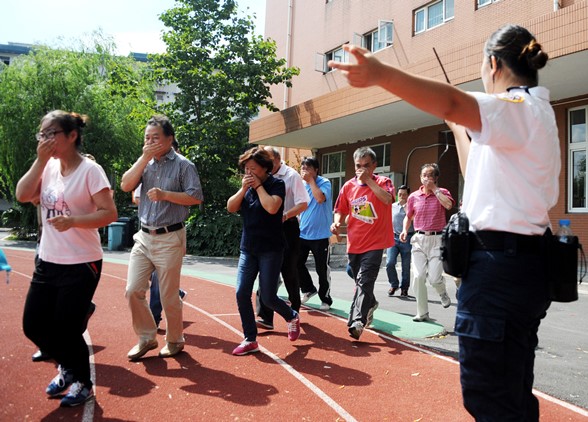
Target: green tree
115, 92
224, 73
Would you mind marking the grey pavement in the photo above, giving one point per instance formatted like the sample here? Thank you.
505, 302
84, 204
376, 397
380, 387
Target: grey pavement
561, 367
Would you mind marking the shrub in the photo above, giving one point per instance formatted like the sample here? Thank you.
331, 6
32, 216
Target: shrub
214, 232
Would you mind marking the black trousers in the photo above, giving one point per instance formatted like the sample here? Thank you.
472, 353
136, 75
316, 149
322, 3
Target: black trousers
289, 270
320, 252
55, 311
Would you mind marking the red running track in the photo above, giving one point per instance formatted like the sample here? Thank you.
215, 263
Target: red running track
324, 376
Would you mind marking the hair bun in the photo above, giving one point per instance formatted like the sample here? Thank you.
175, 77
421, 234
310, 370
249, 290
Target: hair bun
534, 55
81, 119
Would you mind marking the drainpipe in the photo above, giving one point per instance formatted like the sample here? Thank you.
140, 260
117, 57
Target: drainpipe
556, 5
288, 45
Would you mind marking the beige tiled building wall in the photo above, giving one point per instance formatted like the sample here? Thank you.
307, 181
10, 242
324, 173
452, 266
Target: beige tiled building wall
316, 98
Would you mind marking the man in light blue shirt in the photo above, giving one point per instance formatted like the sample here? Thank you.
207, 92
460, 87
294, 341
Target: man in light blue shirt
402, 248
315, 232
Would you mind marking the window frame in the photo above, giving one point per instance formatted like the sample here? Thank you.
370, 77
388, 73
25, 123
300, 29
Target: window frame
486, 3
424, 12
573, 149
335, 177
330, 55
384, 163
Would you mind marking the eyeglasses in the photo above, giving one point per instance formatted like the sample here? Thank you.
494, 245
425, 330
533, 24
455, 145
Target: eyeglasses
50, 134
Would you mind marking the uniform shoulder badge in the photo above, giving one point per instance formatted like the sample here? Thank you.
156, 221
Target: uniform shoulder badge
511, 97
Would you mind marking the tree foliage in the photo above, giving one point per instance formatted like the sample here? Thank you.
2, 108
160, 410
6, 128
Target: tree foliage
115, 92
224, 72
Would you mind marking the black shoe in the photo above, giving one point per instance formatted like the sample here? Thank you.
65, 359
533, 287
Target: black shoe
264, 324
392, 291
404, 292
40, 356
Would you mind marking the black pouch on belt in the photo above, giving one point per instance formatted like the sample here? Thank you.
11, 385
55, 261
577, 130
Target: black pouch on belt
562, 261
456, 245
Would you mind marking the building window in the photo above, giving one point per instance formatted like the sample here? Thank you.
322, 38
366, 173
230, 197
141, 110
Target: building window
380, 38
482, 3
333, 168
432, 15
382, 157
577, 147
337, 55
5, 60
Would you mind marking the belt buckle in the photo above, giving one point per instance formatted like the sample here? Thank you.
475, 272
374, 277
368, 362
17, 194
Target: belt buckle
152, 231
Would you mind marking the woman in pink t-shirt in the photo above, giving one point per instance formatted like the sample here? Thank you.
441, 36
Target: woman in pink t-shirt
75, 199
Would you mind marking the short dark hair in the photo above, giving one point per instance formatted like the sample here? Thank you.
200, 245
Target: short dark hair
404, 187
363, 152
259, 155
163, 122
310, 162
434, 166
274, 151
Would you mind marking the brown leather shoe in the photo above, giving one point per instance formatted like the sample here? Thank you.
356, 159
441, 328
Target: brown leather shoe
140, 349
171, 349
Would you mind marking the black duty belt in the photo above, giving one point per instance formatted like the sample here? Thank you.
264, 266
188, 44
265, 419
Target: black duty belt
162, 230
510, 243
427, 233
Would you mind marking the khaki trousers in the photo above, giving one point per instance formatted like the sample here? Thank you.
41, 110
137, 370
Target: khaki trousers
162, 253
426, 265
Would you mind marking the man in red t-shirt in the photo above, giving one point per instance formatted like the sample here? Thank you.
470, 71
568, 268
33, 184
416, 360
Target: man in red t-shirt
425, 208
367, 199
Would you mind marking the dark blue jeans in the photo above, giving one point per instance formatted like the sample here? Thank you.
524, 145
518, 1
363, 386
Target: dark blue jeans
55, 313
501, 303
267, 265
392, 255
289, 271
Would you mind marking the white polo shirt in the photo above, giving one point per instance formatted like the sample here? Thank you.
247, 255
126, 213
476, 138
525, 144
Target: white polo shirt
514, 163
295, 190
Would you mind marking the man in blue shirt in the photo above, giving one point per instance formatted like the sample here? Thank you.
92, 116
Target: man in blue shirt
402, 248
315, 232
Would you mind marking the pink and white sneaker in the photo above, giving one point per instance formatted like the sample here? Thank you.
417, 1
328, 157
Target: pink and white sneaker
294, 328
245, 348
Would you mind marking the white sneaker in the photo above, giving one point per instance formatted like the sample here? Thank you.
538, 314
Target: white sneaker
445, 300
355, 330
325, 306
306, 296
421, 318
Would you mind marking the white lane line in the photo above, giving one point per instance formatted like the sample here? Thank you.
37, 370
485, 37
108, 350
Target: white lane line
312, 387
561, 403
90, 405
437, 355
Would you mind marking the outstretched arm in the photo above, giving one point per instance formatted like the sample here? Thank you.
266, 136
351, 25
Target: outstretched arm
429, 95
462, 143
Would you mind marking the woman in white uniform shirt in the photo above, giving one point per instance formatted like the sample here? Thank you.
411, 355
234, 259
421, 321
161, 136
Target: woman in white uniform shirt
511, 182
